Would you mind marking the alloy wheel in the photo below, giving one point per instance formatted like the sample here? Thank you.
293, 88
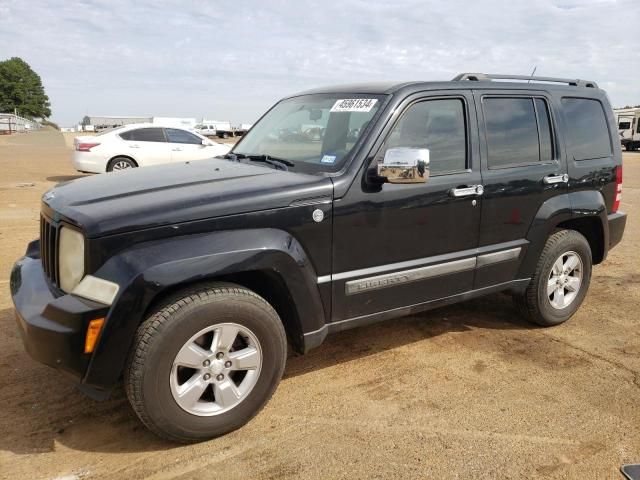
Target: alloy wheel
216, 369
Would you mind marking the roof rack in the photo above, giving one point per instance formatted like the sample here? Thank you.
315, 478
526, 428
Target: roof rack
480, 77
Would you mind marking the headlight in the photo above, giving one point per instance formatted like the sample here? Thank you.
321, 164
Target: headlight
70, 258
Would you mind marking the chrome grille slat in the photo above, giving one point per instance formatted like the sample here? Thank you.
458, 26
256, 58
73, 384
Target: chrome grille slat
49, 249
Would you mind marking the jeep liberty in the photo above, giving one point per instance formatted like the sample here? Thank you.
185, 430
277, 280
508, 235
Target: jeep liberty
341, 207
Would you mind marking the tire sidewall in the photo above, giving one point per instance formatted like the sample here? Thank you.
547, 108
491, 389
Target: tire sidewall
574, 242
185, 322
115, 160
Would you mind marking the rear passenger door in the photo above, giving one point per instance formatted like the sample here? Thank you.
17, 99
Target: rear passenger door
147, 146
522, 168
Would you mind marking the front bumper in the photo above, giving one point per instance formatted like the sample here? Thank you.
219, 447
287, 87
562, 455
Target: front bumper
52, 328
617, 222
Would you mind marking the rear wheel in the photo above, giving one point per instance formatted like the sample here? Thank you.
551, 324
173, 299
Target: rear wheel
120, 163
206, 362
560, 282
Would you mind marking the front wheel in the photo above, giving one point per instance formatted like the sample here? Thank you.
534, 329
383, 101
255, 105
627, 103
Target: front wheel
206, 362
560, 282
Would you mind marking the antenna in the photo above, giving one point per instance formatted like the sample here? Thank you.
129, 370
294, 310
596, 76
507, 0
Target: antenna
535, 67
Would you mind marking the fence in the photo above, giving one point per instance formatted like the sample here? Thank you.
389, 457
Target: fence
10, 123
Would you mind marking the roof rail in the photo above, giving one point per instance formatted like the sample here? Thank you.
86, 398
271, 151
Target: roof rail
482, 77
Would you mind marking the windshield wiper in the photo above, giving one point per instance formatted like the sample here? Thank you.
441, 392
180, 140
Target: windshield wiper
278, 163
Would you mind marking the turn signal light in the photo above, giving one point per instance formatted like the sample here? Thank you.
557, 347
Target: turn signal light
93, 331
86, 147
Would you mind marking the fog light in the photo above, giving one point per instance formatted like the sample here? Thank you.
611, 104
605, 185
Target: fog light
93, 331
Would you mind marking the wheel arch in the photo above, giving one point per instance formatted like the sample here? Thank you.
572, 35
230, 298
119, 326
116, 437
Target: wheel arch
584, 211
269, 284
276, 268
121, 156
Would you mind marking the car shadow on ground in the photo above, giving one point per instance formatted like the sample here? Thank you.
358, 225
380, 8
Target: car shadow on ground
66, 178
50, 410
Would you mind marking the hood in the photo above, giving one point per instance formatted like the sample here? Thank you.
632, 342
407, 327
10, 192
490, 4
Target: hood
152, 196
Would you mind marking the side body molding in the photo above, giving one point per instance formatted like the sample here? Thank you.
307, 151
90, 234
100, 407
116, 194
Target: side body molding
148, 269
558, 209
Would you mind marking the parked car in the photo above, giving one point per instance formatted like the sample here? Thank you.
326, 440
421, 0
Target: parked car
141, 145
187, 281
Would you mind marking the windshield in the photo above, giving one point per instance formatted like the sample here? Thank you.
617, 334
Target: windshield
315, 133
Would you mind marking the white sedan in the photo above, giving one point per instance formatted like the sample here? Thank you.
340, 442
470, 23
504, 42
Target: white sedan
140, 145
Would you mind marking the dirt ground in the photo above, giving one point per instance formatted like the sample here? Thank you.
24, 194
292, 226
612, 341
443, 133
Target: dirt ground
469, 391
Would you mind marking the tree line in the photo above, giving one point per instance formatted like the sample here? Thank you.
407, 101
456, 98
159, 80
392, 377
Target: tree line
21, 90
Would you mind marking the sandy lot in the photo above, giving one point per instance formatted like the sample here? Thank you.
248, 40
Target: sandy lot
469, 391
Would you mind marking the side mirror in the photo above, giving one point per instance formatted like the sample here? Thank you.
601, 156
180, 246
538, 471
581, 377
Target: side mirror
405, 165
206, 143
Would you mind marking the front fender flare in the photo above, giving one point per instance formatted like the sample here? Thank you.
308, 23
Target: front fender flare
145, 271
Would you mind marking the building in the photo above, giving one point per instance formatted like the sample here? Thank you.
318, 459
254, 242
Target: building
97, 123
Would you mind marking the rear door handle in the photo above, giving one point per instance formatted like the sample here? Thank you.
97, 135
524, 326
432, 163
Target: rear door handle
551, 179
177, 149
134, 146
467, 191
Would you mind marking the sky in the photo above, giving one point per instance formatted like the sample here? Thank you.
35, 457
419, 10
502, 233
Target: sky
229, 60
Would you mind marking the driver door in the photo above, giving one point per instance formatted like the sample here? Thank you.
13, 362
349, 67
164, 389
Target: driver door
186, 146
401, 245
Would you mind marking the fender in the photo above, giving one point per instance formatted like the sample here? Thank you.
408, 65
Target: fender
147, 270
553, 212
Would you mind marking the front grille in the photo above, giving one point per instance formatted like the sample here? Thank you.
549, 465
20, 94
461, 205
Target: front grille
49, 248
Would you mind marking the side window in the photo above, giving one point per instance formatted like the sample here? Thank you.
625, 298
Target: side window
127, 135
438, 125
587, 132
175, 135
544, 130
144, 135
512, 131
638, 129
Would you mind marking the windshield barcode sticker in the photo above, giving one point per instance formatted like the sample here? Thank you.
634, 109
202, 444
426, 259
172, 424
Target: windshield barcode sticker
354, 105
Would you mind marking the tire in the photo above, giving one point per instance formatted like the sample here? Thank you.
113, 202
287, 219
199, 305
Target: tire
120, 163
549, 309
152, 377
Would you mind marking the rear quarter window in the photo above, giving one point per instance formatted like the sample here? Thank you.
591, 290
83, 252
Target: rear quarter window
587, 133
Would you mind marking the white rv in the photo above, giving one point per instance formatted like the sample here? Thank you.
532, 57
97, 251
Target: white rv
628, 121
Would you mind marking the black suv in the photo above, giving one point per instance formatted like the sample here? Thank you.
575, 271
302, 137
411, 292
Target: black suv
341, 207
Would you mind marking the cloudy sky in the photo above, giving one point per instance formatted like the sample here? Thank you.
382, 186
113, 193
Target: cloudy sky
232, 60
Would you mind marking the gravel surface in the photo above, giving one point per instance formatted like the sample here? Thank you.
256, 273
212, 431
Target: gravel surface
469, 391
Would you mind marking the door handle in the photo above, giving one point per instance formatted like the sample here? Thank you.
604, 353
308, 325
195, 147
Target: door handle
551, 179
134, 146
467, 191
177, 149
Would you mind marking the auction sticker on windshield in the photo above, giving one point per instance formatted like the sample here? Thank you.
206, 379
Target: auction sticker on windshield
354, 105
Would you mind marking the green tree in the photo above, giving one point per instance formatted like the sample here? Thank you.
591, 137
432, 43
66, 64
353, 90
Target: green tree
21, 89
